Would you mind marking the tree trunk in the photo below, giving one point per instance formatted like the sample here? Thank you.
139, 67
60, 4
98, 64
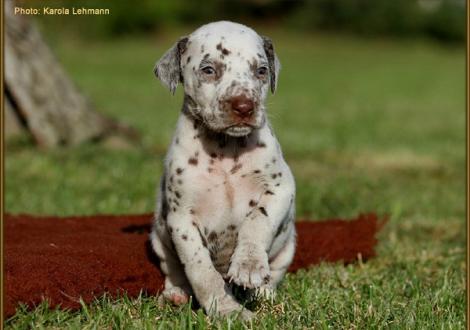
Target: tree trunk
41, 95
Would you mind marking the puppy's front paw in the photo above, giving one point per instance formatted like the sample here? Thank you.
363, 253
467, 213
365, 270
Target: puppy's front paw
249, 267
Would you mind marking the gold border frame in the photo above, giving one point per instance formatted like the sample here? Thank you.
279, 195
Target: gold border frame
2, 151
2, 159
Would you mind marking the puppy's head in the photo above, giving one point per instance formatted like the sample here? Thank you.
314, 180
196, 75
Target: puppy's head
226, 69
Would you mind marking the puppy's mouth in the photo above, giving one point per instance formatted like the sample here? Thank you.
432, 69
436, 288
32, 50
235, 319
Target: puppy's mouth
239, 129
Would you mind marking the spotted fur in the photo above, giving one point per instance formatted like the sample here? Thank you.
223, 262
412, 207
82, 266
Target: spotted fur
225, 208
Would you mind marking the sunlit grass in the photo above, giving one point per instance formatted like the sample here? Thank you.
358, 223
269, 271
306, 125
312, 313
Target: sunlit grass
366, 125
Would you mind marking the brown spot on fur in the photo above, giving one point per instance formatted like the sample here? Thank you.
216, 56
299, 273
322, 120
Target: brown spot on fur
177, 194
184, 237
253, 65
213, 155
268, 192
189, 59
179, 170
277, 184
235, 168
179, 181
192, 161
232, 227
209, 169
261, 144
252, 203
219, 69
263, 210
274, 175
256, 171
266, 279
191, 211
212, 236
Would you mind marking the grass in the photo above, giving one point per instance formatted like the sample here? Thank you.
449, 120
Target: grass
366, 125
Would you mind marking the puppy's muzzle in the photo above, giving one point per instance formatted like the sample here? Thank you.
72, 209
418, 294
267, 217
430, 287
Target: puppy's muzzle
242, 107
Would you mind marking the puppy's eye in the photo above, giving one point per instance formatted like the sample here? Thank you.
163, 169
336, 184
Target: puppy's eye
208, 70
262, 71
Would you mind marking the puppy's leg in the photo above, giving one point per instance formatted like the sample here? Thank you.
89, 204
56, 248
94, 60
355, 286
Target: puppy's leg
177, 289
207, 283
278, 266
249, 263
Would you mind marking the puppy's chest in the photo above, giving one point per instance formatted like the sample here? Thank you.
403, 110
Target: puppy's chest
221, 188
221, 181
221, 191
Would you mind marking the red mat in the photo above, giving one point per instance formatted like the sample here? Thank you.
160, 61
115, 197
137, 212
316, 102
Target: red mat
63, 259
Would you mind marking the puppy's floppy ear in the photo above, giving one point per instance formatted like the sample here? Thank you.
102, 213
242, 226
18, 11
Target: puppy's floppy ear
273, 62
168, 68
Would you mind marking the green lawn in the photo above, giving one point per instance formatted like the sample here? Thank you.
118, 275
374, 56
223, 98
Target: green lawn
366, 125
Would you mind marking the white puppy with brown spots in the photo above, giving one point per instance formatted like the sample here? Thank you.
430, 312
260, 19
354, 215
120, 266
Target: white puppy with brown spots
225, 209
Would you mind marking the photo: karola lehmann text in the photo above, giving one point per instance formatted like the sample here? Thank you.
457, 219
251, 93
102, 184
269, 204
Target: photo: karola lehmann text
58, 11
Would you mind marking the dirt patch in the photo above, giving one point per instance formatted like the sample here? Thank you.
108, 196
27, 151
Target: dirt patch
63, 259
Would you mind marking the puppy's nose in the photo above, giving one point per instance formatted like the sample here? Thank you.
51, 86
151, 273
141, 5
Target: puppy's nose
242, 106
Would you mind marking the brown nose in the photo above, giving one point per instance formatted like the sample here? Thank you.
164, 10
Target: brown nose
242, 106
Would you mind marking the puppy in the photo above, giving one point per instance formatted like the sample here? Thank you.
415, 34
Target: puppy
226, 203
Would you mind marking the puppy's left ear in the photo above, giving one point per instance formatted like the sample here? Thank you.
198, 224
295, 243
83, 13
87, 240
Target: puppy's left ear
168, 68
273, 62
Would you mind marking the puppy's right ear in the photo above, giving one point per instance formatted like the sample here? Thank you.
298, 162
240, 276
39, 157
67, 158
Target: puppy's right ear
168, 68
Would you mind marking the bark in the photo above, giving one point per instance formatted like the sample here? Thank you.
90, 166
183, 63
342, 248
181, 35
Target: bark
42, 96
